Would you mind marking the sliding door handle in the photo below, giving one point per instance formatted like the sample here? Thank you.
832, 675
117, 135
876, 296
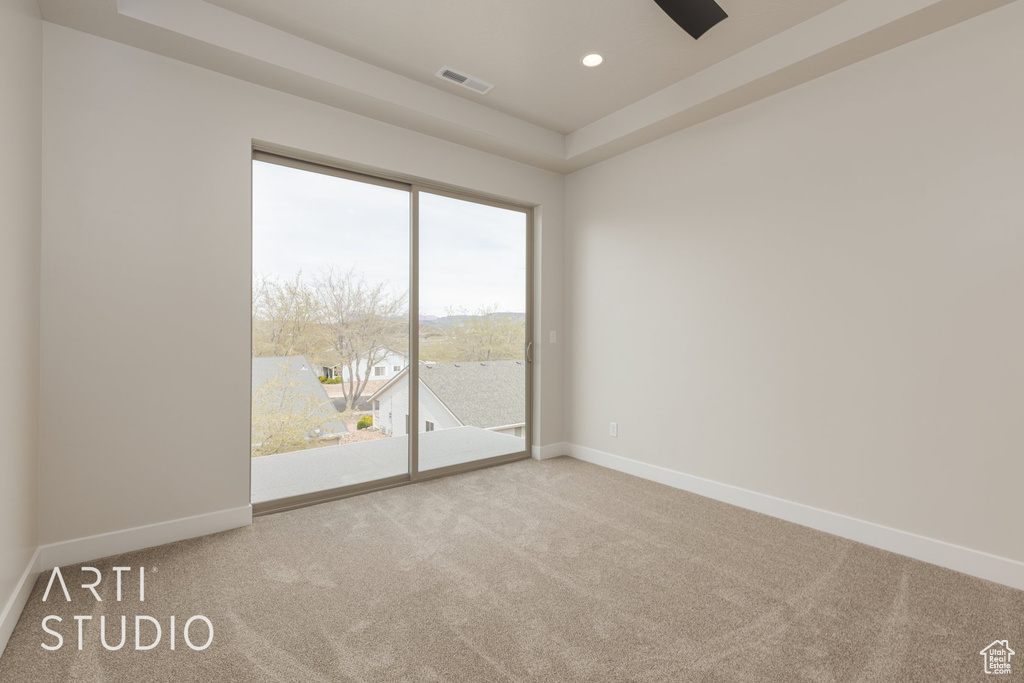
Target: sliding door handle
529, 352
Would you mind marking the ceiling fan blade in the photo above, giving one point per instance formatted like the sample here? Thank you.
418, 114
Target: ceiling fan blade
693, 16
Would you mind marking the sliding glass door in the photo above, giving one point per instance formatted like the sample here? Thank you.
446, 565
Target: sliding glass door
389, 332
330, 326
472, 331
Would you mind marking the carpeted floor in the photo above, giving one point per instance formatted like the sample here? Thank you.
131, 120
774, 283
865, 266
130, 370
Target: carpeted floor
535, 571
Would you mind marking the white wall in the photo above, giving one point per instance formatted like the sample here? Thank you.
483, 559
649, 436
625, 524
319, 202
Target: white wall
394, 408
146, 264
393, 360
838, 273
20, 187
433, 410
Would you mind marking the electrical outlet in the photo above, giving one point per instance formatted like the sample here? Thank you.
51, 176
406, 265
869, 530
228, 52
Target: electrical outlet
613, 428
554, 336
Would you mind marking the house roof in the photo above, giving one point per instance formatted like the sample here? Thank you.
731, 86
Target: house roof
303, 386
480, 394
483, 394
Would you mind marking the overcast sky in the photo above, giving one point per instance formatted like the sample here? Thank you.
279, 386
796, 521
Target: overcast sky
471, 255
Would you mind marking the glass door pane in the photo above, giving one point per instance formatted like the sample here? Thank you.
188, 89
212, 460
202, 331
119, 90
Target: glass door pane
330, 330
472, 331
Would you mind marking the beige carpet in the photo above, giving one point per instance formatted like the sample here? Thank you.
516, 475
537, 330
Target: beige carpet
552, 571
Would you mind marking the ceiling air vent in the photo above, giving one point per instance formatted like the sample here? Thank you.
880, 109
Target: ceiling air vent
464, 79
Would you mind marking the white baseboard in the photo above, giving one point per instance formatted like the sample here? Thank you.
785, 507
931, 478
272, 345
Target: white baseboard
137, 538
19, 598
974, 562
552, 450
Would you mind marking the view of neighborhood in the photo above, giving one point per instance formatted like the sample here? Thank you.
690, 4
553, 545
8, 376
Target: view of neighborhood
325, 371
331, 328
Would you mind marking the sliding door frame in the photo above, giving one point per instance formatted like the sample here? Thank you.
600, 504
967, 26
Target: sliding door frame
272, 154
414, 370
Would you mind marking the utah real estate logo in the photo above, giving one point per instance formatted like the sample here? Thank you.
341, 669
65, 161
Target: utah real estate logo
997, 657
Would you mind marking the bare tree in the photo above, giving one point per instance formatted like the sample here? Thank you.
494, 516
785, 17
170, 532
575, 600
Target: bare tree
482, 336
362, 324
286, 318
287, 418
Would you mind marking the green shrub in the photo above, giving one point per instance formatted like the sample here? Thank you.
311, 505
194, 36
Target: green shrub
365, 422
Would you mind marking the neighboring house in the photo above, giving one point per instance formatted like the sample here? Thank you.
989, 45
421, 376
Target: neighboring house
386, 369
293, 381
490, 395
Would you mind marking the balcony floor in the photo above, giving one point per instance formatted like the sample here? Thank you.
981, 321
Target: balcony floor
321, 469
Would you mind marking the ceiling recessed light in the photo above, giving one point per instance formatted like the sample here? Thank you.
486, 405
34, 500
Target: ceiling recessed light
593, 59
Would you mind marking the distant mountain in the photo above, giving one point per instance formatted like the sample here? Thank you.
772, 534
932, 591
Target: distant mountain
443, 320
